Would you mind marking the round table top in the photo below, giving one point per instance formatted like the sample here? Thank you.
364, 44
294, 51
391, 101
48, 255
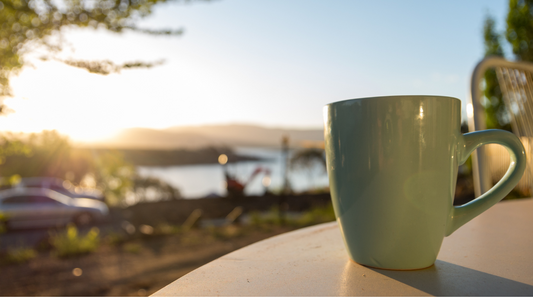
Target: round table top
490, 255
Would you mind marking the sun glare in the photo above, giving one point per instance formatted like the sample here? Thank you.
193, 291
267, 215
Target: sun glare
84, 106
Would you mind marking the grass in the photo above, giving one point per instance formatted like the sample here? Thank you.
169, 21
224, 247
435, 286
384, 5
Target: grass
266, 220
70, 243
167, 229
316, 215
191, 238
3, 222
115, 238
132, 248
20, 255
225, 232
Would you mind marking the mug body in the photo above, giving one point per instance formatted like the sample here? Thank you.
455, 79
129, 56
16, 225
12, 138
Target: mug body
392, 165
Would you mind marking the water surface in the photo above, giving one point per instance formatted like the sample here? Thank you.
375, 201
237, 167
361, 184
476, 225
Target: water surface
196, 181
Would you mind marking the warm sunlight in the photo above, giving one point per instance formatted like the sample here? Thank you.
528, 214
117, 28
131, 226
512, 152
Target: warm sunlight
85, 106
143, 142
60, 98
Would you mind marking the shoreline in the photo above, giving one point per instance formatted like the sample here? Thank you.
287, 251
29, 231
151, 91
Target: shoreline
175, 157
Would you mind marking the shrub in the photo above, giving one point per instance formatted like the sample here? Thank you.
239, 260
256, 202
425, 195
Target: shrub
265, 221
167, 229
70, 244
115, 239
132, 248
20, 255
316, 215
225, 232
3, 222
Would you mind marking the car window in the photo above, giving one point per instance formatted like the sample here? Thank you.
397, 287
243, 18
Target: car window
59, 189
56, 186
43, 200
17, 200
30, 200
37, 185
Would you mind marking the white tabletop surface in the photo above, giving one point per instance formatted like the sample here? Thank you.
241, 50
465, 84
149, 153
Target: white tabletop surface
490, 255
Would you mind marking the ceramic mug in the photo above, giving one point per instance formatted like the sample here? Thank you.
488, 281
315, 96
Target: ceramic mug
392, 165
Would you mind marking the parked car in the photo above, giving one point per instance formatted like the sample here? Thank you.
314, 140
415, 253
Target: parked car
39, 207
62, 186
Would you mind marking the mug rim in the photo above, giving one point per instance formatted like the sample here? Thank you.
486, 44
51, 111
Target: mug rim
393, 97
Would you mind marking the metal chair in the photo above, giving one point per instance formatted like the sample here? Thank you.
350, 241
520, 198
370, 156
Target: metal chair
516, 83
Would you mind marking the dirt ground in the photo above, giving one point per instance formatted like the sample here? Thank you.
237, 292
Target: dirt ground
137, 267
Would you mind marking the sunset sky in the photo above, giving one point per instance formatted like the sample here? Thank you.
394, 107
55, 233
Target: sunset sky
274, 63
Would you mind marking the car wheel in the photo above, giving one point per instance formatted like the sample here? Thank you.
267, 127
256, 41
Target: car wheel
84, 219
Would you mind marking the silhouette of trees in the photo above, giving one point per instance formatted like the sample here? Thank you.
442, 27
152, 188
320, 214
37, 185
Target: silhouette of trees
309, 158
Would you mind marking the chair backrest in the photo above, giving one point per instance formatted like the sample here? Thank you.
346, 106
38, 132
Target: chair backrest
516, 83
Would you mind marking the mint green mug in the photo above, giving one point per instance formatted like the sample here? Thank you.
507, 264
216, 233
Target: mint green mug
392, 165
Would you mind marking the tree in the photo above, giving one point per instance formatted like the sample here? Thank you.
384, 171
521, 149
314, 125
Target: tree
45, 154
519, 34
519, 31
497, 116
49, 154
309, 158
27, 25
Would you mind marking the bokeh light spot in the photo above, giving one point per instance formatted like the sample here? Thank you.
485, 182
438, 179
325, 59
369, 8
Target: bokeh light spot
222, 159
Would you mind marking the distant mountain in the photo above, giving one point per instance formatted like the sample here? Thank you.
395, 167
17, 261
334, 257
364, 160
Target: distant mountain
211, 135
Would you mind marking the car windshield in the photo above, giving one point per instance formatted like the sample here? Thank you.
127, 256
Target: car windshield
33, 195
59, 197
56, 185
30, 199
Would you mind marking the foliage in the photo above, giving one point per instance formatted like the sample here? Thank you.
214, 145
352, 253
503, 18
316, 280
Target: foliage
519, 31
70, 243
44, 154
519, 34
113, 175
192, 237
123, 186
115, 238
167, 229
3, 222
315, 215
49, 154
266, 220
152, 189
31, 25
225, 232
308, 157
497, 116
132, 248
20, 255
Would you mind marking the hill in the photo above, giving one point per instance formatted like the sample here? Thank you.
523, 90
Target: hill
193, 137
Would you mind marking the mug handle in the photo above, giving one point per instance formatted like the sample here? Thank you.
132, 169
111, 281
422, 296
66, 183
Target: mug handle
460, 215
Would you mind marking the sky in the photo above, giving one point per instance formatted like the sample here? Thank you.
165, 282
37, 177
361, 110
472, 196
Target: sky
272, 63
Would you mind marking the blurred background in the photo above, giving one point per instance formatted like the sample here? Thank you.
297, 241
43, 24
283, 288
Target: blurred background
140, 139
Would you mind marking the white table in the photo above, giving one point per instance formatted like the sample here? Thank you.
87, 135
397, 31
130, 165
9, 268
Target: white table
491, 255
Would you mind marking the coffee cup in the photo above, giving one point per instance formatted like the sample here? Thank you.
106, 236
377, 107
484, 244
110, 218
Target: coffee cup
392, 165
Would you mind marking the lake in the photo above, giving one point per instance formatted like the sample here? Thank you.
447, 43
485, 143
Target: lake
197, 181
